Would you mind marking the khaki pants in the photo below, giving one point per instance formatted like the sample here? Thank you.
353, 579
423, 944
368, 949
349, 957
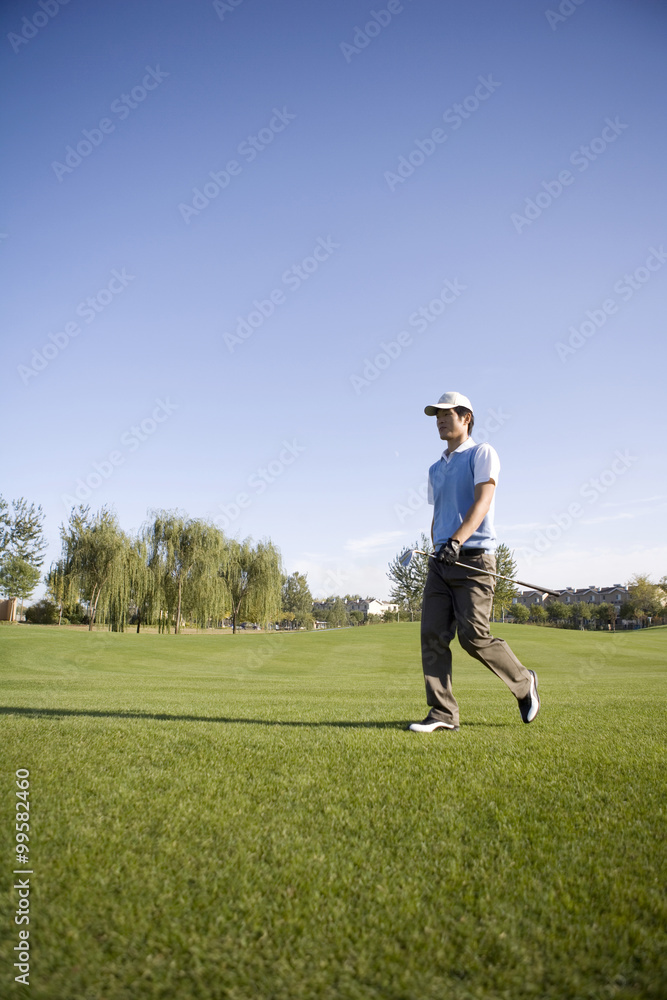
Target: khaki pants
456, 598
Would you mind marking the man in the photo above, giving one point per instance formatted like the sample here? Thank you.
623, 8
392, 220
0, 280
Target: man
461, 488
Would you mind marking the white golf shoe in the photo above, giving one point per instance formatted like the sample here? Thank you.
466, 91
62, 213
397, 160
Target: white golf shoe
530, 705
430, 725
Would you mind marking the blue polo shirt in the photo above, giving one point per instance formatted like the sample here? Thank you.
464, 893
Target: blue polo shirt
451, 490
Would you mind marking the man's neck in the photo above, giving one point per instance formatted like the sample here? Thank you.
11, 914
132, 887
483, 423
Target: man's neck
453, 443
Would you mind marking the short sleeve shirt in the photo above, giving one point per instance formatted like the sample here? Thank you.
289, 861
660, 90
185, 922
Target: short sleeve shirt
487, 464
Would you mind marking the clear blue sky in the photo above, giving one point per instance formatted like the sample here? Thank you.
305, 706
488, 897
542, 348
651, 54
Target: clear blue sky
170, 93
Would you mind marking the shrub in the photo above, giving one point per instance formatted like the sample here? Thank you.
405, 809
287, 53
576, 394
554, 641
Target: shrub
42, 613
75, 615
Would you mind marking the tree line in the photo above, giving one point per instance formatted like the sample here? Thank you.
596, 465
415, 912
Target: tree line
646, 599
178, 568
175, 568
646, 603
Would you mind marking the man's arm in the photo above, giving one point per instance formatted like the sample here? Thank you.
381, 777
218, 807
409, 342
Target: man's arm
476, 512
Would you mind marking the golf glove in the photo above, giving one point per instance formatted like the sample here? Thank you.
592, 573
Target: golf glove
449, 552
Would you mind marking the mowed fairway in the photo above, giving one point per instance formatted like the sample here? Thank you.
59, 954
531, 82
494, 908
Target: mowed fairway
247, 817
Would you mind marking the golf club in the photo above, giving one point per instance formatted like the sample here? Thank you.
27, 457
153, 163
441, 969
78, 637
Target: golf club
406, 559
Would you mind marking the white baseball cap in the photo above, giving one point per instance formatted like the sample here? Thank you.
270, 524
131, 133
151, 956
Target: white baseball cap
447, 402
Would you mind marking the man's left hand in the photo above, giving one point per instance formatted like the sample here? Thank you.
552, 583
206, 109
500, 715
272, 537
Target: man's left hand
449, 552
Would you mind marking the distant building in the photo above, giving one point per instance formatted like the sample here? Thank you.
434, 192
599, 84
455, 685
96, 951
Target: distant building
8, 610
616, 595
371, 606
368, 607
528, 598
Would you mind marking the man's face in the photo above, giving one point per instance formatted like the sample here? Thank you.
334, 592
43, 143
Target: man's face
451, 425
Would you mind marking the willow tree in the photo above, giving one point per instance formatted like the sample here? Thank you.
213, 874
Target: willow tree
183, 555
140, 579
94, 554
253, 580
206, 598
58, 585
131, 585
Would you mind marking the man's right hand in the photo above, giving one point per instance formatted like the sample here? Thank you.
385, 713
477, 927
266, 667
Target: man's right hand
449, 552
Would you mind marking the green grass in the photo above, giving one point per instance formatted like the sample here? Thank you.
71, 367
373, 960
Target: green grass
246, 817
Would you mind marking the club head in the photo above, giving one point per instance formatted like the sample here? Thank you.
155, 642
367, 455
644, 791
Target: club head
406, 558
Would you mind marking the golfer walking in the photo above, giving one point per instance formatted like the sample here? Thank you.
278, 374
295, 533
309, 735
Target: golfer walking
461, 487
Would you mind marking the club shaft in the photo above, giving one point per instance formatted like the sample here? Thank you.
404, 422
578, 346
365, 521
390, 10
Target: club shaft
498, 576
